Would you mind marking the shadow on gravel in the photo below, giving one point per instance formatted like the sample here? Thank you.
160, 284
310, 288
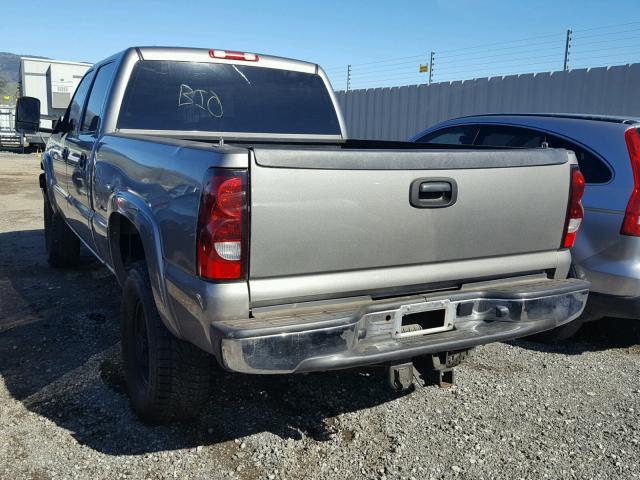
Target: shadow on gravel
59, 356
594, 336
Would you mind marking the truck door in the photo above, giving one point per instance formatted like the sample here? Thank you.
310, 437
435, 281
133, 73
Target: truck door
80, 144
56, 145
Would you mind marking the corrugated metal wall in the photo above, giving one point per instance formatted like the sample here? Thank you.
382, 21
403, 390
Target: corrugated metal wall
397, 113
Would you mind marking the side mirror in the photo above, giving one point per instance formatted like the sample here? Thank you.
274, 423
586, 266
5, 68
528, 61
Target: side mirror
27, 115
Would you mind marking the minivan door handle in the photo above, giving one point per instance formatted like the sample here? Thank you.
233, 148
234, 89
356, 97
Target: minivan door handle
433, 192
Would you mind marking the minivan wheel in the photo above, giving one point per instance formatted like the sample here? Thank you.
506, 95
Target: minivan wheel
63, 246
167, 379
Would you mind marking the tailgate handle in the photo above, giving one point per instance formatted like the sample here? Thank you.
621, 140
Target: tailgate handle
433, 192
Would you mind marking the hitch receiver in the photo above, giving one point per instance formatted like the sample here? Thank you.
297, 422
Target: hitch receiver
437, 369
442, 378
400, 377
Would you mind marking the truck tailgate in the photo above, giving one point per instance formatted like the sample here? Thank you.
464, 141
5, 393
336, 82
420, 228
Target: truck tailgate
317, 211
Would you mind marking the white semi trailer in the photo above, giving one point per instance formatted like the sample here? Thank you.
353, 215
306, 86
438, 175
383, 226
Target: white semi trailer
53, 83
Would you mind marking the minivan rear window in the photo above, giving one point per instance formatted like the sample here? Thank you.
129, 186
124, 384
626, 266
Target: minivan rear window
215, 97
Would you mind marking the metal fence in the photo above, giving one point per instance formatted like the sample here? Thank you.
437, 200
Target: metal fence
562, 50
396, 113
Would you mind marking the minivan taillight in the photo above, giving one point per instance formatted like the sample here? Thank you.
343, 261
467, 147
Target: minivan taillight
631, 222
222, 226
575, 212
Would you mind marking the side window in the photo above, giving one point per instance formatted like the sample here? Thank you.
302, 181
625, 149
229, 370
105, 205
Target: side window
593, 168
504, 136
93, 112
458, 135
72, 117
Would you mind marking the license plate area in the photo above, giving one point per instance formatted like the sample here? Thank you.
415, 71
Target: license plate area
423, 319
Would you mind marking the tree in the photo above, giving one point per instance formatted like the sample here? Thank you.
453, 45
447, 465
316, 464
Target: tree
7, 87
4, 81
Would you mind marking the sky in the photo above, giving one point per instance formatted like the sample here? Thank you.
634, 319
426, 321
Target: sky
335, 33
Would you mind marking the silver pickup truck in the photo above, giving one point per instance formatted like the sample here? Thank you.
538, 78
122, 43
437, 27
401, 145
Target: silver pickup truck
220, 189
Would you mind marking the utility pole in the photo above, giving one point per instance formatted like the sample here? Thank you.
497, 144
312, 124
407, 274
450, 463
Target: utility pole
567, 49
348, 77
432, 61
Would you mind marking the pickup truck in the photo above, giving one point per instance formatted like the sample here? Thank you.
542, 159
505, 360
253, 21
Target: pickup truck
221, 190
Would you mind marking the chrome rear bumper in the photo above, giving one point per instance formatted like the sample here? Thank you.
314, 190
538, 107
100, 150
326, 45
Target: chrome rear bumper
339, 337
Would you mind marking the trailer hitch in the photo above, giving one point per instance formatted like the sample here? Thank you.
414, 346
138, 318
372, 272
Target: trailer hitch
400, 377
435, 369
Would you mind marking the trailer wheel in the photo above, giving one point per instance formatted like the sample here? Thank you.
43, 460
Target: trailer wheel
63, 246
167, 379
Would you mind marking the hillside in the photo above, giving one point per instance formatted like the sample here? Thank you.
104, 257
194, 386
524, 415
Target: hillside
9, 72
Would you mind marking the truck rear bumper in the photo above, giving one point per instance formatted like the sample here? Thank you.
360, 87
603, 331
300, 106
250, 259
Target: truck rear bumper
385, 331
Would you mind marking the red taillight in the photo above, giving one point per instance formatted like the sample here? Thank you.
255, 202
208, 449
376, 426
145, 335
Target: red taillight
631, 222
226, 55
575, 212
222, 226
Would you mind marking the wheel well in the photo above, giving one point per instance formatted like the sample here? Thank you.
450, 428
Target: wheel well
126, 244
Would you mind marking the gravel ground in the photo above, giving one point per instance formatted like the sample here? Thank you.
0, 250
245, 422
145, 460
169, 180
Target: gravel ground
519, 410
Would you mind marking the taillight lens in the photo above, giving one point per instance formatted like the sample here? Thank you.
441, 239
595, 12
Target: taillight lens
631, 222
222, 226
575, 212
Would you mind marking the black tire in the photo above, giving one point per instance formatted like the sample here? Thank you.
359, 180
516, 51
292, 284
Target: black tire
167, 379
63, 246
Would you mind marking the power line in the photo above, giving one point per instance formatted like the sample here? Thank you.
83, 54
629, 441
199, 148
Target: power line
496, 61
602, 27
388, 60
385, 67
582, 44
506, 54
529, 64
512, 47
499, 56
606, 55
382, 76
604, 34
499, 43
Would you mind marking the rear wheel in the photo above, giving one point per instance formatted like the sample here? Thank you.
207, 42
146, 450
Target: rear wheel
167, 379
63, 246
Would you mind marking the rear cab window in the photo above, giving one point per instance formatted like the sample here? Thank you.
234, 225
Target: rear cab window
216, 97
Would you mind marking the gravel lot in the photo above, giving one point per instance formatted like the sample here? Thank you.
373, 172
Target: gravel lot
519, 410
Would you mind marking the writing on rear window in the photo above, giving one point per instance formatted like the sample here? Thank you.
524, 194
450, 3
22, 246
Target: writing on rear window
214, 97
199, 98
